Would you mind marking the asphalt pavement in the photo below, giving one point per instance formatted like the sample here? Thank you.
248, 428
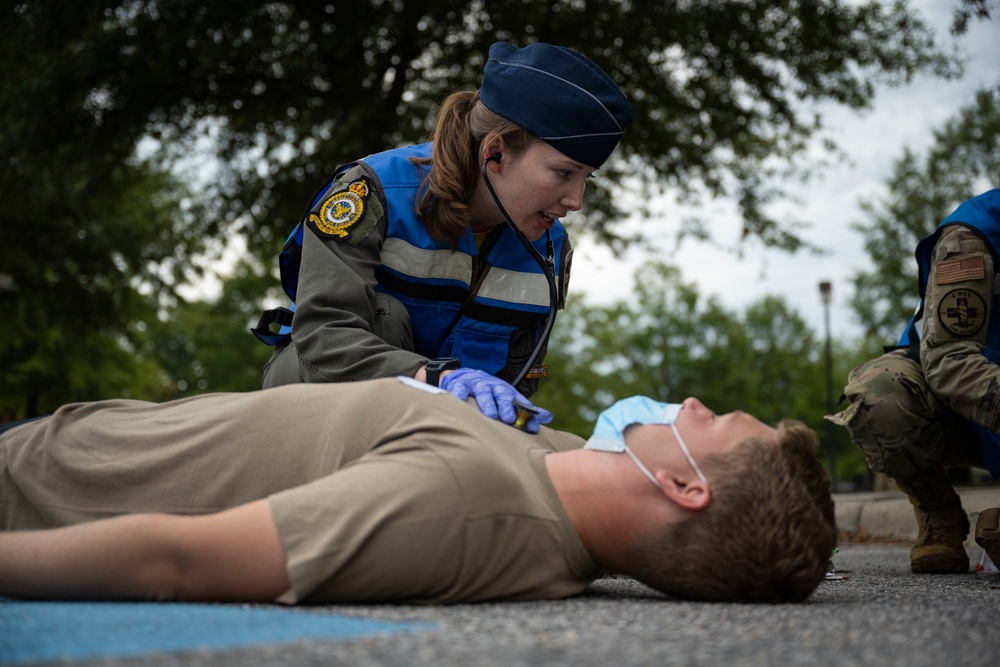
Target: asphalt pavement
876, 613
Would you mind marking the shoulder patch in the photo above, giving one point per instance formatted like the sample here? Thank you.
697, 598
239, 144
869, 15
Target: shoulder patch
957, 270
341, 210
962, 312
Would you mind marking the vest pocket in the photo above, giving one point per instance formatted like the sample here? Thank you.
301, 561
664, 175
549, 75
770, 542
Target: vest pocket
485, 350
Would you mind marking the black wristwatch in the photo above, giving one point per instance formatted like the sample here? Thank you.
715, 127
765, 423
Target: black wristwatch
435, 366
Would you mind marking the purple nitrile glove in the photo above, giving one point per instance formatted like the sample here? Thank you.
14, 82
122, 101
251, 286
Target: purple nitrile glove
494, 396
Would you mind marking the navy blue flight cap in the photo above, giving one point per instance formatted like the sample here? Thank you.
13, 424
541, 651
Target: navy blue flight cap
559, 95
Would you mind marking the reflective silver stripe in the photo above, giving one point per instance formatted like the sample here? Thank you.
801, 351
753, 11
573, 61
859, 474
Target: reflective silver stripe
500, 284
516, 287
410, 260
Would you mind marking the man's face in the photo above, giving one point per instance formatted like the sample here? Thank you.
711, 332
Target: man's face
708, 433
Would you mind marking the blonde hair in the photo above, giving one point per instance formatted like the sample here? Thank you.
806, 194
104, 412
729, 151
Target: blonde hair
463, 122
766, 536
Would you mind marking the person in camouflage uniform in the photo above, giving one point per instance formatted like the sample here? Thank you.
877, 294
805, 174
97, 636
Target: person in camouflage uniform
933, 402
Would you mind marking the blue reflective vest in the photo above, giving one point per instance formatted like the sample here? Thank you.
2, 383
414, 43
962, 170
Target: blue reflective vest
464, 302
982, 215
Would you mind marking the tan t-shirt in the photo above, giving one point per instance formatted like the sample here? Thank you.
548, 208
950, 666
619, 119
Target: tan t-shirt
380, 491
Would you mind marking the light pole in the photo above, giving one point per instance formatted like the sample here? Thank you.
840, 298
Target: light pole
826, 294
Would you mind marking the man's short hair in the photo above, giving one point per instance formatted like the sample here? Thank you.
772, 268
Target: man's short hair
766, 536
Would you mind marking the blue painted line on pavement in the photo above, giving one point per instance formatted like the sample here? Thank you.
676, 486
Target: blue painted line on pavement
34, 631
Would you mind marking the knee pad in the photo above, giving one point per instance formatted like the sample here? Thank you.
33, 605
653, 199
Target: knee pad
893, 418
988, 533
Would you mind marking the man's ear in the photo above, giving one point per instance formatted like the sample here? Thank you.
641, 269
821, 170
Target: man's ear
693, 495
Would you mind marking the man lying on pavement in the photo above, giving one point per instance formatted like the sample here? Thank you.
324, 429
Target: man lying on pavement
392, 490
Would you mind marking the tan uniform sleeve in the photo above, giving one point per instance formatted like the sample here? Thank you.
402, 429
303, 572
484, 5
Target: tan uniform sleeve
334, 325
957, 311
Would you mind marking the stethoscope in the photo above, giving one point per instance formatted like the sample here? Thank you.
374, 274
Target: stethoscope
547, 265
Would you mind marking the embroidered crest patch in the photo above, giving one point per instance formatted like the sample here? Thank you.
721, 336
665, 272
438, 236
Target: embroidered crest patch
341, 210
962, 312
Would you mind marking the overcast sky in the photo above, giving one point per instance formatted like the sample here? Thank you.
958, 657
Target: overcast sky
901, 117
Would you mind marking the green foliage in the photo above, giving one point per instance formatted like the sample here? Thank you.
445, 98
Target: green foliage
667, 342
206, 345
288, 91
964, 161
82, 286
138, 134
968, 10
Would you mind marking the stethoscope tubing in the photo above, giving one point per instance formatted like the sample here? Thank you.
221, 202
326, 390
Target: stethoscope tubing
547, 266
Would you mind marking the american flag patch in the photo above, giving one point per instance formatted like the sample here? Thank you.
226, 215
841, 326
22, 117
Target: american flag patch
957, 270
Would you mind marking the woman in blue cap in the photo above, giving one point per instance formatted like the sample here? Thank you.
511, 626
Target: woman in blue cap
446, 261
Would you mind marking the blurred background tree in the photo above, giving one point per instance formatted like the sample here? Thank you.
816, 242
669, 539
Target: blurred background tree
142, 138
205, 346
284, 92
669, 342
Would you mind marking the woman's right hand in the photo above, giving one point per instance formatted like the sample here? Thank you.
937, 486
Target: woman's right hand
496, 398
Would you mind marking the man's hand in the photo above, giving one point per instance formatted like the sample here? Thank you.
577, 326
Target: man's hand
495, 397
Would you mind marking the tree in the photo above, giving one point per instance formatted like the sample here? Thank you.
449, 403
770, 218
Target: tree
289, 90
669, 343
205, 345
109, 107
82, 286
963, 162
968, 10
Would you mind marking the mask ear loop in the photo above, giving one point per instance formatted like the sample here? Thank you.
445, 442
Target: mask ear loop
644, 469
687, 453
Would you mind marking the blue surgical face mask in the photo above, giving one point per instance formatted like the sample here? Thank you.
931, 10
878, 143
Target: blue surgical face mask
609, 431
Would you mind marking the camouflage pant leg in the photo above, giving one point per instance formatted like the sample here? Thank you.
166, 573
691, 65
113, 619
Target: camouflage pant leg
898, 423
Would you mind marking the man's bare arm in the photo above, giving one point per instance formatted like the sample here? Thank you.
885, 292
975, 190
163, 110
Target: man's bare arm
234, 555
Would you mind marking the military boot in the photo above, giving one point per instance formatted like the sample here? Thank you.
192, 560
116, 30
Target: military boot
942, 522
988, 533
